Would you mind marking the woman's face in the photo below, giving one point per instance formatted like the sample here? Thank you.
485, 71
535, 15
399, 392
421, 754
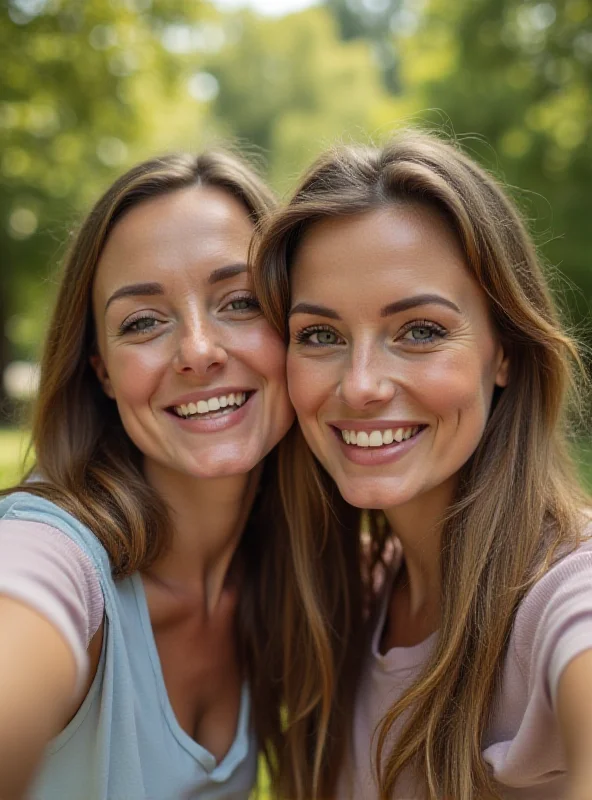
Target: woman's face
197, 373
393, 358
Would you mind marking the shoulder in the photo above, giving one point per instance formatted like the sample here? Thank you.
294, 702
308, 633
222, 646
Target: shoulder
556, 613
29, 507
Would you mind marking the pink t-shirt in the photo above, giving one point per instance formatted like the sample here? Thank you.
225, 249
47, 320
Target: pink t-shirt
44, 569
522, 743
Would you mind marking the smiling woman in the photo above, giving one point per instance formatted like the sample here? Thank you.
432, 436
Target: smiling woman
431, 378
160, 626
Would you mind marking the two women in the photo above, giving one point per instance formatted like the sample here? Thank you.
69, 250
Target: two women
430, 376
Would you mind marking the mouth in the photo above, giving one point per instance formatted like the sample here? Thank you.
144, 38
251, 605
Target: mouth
212, 408
378, 439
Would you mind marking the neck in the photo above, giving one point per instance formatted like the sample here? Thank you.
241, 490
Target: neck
418, 526
208, 517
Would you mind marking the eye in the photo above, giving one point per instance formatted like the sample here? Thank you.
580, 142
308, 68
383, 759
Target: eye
423, 332
242, 304
319, 336
143, 324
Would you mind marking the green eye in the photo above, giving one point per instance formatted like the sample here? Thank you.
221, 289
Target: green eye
139, 325
324, 337
419, 334
239, 305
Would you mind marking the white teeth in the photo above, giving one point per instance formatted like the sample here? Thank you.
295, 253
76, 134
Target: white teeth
378, 438
212, 404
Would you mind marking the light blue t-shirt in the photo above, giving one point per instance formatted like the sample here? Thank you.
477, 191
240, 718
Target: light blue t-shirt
125, 742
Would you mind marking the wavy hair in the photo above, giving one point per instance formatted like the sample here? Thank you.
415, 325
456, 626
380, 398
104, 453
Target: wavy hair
518, 504
295, 661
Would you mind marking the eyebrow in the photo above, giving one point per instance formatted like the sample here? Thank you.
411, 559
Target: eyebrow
151, 289
387, 311
317, 311
418, 300
135, 290
224, 273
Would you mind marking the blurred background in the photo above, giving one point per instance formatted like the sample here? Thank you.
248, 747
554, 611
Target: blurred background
88, 87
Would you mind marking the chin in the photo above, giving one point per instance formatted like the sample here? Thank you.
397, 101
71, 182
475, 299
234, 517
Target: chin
376, 494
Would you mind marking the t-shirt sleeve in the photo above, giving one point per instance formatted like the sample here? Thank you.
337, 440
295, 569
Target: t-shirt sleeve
43, 568
558, 619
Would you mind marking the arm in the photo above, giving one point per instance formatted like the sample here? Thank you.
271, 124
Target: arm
574, 712
38, 676
51, 607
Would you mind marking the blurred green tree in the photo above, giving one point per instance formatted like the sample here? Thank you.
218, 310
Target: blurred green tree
291, 86
377, 21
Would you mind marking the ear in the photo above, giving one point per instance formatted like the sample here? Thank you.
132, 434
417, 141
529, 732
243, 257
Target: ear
98, 365
502, 374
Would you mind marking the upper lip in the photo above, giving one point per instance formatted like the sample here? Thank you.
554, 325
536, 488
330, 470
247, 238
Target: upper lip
374, 424
207, 394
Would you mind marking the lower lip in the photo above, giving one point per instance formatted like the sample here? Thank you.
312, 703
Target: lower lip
374, 456
215, 424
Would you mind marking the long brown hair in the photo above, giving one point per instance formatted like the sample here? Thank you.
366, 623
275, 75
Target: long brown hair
296, 663
519, 503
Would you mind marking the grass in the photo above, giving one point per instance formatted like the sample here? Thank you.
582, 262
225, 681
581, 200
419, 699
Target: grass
13, 448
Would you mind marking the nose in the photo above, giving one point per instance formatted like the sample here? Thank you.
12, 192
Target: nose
366, 380
199, 349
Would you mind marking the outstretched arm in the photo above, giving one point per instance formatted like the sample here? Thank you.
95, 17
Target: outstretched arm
38, 675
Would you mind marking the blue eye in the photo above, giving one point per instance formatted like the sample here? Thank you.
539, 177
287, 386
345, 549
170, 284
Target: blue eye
419, 334
423, 333
318, 336
242, 304
139, 325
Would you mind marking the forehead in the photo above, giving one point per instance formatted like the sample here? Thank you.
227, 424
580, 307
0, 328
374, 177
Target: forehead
396, 248
189, 229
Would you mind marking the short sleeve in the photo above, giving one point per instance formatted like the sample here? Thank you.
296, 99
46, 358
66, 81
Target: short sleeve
43, 568
557, 620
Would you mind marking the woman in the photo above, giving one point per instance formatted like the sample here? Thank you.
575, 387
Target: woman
157, 626
430, 375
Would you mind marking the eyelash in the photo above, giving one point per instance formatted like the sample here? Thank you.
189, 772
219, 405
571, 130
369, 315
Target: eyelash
437, 331
127, 326
303, 336
248, 298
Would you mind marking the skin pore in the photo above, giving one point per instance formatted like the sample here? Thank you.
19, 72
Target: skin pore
390, 335
177, 327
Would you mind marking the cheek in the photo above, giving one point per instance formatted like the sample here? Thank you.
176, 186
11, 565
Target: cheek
458, 391
264, 353
306, 386
135, 373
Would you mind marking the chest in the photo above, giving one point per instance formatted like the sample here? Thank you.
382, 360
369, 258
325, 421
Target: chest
201, 672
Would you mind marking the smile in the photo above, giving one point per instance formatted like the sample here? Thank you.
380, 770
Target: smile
377, 446
212, 407
379, 438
